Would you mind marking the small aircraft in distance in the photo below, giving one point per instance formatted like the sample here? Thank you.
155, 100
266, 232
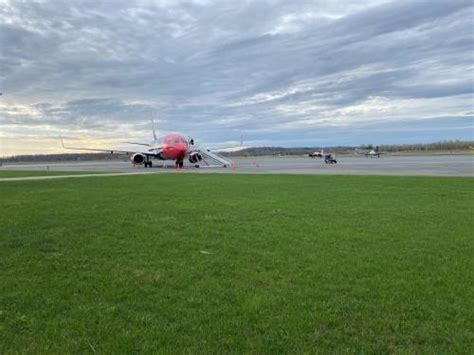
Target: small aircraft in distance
373, 154
171, 147
328, 158
317, 154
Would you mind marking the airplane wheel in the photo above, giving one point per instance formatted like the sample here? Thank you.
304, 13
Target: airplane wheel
150, 164
181, 164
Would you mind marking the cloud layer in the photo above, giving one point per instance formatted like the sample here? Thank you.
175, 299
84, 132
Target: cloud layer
280, 73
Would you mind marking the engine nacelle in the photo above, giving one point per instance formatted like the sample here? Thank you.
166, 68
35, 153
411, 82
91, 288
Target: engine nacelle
195, 157
138, 159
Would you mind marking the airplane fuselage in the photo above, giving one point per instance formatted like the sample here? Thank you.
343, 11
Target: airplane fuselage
173, 147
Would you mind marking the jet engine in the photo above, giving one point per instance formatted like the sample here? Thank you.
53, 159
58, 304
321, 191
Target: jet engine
138, 159
195, 157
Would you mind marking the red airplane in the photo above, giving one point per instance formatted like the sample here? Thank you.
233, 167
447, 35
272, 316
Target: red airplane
172, 147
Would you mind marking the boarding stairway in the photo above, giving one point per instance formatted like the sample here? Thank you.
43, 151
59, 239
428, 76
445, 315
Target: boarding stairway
217, 160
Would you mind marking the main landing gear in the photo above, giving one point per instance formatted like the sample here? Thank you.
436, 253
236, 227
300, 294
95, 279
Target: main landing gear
179, 164
148, 163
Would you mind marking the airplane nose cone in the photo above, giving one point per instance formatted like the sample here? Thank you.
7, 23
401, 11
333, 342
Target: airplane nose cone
177, 151
182, 148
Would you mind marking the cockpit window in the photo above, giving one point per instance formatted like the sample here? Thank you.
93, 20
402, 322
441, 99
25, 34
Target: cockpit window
176, 140
179, 141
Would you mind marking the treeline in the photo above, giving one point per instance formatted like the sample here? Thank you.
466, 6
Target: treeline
62, 157
439, 146
268, 151
434, 147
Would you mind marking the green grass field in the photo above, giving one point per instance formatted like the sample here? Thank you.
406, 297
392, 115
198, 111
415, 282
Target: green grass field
237, 263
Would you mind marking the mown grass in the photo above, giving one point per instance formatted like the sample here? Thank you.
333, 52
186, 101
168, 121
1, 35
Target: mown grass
244, 263
28, 173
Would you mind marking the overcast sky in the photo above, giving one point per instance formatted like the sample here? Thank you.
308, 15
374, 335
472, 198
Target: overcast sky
280, 73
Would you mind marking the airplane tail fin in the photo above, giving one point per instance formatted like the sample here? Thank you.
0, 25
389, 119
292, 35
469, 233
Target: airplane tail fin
153, 128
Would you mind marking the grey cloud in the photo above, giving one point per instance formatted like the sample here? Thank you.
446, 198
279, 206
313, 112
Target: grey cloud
437, 90
215, 67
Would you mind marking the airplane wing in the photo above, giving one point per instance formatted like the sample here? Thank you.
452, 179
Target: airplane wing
227, 149
111, 151
138, 143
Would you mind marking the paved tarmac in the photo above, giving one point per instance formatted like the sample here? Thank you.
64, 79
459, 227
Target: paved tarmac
444, 165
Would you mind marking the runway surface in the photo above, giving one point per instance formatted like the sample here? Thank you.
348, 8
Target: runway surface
445, 165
